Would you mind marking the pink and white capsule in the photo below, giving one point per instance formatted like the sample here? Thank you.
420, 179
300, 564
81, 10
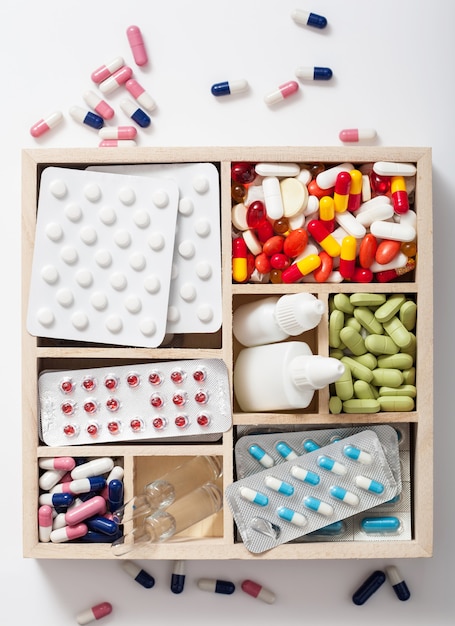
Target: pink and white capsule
117, 143
284, 91
94, 613
66, 463
46, 123
353, 135
99, 105
67, 533
138, 92
44, 523
116, 79
84, 510
118, 132
137, 45
104, 71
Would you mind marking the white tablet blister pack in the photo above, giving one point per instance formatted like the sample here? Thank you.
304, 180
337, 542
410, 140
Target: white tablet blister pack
195, 299
103, 257
291, 499
147, 401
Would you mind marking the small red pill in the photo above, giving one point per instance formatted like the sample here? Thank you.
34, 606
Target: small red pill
295, 243
264, 231
274, 245
280, 261
362, 275
387, 251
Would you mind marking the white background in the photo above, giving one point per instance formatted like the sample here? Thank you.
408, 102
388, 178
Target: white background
393, 71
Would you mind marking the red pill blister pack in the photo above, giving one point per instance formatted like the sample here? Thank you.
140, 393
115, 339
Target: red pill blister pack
159, 400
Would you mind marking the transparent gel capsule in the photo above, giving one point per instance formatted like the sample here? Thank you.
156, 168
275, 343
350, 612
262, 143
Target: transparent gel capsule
170, 487
164, 524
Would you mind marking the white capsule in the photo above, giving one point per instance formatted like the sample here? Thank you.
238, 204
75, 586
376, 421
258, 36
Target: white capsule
327, 178
272, 197
95, 467
399, 260
50, 478
389, 168
377, 213
277, 169
391, 230
350, 224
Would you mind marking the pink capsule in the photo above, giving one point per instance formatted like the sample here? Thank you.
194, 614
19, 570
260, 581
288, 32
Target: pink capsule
45, 124
138, 92
116, 79
45, 523
99, 105
86, 509
118, 132
117, 143
66, 463
137, 45
67, 533
104, 71
94, 613
354, 135
284, 91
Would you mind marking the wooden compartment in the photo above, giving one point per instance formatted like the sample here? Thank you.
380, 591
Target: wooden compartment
216, 538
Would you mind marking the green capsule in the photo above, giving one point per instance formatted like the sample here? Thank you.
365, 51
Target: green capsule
367, 299
336, 323
387, 377
342, 303
361, 406
364, 391
408, 314
351, 322
400, 361
335, 405
396, 403
402, 390
343, 386
336, 353
357, 370
367, 359
409, 376
353, 340
412, 348
390, 307
395, 329
381, 344
366, 318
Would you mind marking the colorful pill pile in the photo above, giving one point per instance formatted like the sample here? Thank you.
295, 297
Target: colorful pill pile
77, 499
374, 337
322, 223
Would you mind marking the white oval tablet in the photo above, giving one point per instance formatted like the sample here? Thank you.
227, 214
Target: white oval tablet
390, 168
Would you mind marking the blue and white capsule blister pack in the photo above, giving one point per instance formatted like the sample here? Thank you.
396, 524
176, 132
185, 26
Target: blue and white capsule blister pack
147, 401
103, 257
286, 501
195, 290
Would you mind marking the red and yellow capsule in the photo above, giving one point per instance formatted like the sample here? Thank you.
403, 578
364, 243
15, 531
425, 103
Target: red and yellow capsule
399, 194
239, 260
347, 256
341, 191
355, 193
327, 212
300, 268
325, 239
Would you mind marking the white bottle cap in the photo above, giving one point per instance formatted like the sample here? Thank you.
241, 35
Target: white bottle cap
299, 312
315, 371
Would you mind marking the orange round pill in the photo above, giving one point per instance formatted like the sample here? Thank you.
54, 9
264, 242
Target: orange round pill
387, 251
295, 243
273, 245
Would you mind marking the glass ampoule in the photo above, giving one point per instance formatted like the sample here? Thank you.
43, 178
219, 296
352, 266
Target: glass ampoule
165, 523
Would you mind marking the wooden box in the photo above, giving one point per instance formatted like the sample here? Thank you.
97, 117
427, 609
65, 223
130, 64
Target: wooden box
216, 538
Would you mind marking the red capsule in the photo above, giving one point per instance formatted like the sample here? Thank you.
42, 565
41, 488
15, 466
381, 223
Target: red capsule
295, 243
362, 275
367, 250
243, 173
262, 263
341, 192
279, 261
264, 231
322, 273
274, 245
315, 190
255, 214
380, 185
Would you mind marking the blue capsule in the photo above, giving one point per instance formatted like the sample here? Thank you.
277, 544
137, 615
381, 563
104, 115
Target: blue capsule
306, 18
256, 497
178, 577
225, 587
343, 494
61, 501
138, 574
399, 586
279, 485
331, 530
357, 455
314, 73
331, 465
304, 475
136, 114
309, 445
115, 494
86, 117
261, 455
92, 536
368, 484
386, 524
102, 525
369, 587
293, 517
285, 451
314, 504
227, 88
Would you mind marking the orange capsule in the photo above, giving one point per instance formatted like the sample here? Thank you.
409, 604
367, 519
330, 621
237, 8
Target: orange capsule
387, 251
367, 250
273, 245
315, 190
262, 263
295, 243
322, 273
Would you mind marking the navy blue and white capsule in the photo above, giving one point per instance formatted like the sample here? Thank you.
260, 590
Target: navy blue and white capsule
314, 73
86, 117
225, 587
306, 18
399, 585
60, 501
304, 475
138, 574
227, 88
135, 113
178, 577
